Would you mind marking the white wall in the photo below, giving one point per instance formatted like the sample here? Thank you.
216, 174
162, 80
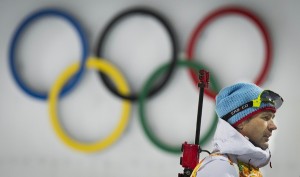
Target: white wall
231, 47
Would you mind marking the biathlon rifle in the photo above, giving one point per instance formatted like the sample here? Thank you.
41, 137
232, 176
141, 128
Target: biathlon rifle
190, 152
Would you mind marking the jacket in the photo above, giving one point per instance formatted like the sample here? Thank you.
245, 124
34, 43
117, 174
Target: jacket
231, 147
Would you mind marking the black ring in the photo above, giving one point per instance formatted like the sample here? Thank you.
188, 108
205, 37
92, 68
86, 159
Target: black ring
107, 29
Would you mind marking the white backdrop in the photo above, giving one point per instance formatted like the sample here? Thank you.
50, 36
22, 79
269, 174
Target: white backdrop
231, 47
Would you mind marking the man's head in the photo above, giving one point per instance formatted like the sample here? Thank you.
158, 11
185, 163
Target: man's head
241, 106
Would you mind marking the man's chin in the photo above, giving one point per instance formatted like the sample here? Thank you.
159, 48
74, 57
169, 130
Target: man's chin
264, 146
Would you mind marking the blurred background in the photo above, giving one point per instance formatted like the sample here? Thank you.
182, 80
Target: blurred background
232, 48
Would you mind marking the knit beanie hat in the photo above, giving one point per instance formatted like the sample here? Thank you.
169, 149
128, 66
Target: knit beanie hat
234, 96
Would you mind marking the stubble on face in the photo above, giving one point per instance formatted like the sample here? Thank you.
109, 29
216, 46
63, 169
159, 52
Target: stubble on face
257, 129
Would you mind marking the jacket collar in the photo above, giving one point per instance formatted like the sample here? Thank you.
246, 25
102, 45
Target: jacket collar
228, 140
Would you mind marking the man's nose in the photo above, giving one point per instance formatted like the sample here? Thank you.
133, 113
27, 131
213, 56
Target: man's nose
272, 125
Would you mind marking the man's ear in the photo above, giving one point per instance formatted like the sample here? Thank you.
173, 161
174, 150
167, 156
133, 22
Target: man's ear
240, 127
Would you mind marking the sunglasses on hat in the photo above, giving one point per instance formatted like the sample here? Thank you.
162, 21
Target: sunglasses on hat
267, 96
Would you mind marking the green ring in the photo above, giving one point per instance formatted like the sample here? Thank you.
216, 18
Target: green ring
146, 88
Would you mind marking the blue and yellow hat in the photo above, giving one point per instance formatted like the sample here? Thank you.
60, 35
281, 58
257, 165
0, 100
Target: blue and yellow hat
238, 102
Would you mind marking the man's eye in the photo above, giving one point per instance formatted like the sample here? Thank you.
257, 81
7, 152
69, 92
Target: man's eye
266, 118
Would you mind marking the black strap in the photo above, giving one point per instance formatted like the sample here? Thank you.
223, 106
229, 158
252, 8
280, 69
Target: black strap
237, 110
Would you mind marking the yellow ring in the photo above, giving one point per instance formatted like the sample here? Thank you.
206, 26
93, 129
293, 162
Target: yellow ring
121, 85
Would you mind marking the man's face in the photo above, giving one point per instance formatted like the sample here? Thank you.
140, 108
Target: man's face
259, 129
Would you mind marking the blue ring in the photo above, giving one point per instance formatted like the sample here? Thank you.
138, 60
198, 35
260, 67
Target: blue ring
17, 35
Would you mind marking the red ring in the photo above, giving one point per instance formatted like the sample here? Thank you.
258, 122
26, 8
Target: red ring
221, 12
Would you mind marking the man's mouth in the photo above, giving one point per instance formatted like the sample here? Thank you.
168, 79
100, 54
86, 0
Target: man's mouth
268, 135
267, 139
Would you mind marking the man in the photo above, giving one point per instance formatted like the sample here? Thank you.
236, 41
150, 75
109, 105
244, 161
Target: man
240, 145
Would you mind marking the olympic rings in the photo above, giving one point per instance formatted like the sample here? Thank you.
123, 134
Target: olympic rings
121, 89
134, 11
18, 34
155, 140
122, 86
224, 11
